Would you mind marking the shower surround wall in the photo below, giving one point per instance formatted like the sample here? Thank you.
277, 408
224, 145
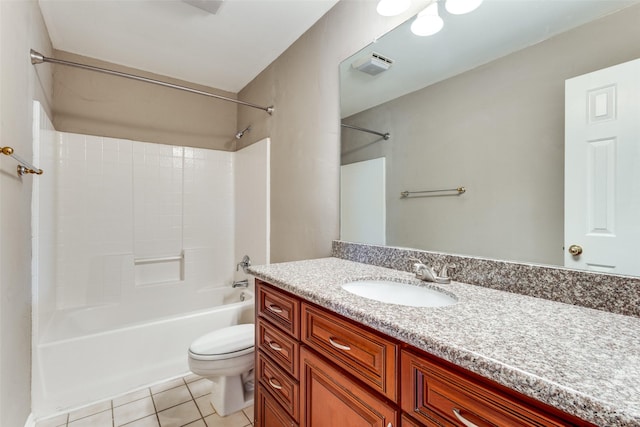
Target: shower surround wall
136, 217
129, 233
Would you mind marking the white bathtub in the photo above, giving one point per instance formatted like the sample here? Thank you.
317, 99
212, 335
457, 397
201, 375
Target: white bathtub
82, 358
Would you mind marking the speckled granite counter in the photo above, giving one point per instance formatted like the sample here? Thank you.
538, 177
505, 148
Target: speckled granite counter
583, 361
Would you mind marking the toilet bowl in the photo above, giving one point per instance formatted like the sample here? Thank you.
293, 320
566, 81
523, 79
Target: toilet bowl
226, 358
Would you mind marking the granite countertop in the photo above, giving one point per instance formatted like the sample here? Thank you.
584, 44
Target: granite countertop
582, 361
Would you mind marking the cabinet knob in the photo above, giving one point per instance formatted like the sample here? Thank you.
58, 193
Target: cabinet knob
575, 250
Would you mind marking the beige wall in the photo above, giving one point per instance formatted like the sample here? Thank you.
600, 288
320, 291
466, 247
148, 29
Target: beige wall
498, 130
21, 28
98, 104
303, 85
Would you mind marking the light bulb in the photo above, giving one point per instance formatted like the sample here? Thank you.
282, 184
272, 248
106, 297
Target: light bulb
460, 7
428, 22
392, 7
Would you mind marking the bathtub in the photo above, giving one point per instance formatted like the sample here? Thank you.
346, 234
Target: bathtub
82, 358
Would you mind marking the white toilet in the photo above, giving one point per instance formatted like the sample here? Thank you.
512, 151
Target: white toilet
226, 357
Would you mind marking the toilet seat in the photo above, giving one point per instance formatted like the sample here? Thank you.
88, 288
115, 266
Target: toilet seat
225, 343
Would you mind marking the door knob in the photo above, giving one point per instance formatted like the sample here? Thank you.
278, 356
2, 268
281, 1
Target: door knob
575, 250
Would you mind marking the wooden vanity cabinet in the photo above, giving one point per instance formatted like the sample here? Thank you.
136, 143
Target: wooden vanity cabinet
316, 368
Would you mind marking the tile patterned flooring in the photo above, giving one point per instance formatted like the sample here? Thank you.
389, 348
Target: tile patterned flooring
182, 402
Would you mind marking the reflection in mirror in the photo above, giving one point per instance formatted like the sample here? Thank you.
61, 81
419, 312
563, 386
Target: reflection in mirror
481, 105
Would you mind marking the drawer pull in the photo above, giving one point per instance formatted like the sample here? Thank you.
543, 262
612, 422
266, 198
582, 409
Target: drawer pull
462, 419
273, 383
338, 345
274, 346
274, 308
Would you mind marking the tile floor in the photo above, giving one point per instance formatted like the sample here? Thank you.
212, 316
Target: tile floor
175, 403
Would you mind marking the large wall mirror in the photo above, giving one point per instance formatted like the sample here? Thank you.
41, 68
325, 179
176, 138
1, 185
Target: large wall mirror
481, 105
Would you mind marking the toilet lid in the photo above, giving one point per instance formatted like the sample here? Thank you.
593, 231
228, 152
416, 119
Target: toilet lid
232, 339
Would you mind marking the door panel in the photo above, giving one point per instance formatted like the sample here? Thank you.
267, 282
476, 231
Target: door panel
602, 163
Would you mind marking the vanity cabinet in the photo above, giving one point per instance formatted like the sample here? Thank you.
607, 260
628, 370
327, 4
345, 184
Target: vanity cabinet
316, 368
277, 367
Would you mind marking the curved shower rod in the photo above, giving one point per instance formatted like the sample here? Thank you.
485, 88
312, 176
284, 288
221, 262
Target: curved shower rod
38, 58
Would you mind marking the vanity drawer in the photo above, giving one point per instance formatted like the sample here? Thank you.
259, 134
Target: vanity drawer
281, 309
428, 387
269, 413
281, 386
367, 356
282, 349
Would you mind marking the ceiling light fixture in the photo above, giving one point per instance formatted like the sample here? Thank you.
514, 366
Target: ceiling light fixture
428, 22
460, 7
392, 7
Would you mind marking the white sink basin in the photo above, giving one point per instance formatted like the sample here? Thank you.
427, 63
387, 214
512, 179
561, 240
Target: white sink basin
399, 293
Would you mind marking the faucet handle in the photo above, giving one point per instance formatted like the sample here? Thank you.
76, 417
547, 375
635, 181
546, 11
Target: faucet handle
416, 262
443, 277
245, 263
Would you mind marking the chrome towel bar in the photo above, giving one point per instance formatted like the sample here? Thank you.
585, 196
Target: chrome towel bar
458, 191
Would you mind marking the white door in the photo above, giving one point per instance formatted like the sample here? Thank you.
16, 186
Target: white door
602, 170
362, 202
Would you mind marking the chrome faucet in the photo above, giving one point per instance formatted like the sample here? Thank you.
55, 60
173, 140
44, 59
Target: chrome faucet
428, 274
423, 271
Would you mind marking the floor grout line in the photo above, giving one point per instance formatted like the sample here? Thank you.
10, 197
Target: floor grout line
112, 408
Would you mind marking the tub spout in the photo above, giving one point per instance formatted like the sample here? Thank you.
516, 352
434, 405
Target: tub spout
241, 284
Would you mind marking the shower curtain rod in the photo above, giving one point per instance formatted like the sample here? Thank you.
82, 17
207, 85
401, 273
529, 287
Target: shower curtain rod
38, 58
384, 136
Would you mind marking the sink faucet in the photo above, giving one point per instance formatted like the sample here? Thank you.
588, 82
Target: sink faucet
428, 274
423, 271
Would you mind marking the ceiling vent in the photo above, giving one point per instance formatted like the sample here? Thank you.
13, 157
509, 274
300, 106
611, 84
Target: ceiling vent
210, 6
373, 64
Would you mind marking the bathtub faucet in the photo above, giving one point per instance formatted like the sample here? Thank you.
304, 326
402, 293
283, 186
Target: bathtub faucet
241, 284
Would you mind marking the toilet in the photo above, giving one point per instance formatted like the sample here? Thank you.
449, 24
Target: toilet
226, 358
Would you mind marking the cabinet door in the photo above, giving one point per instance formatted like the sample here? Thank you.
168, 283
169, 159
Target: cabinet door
332, 399
269, 413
